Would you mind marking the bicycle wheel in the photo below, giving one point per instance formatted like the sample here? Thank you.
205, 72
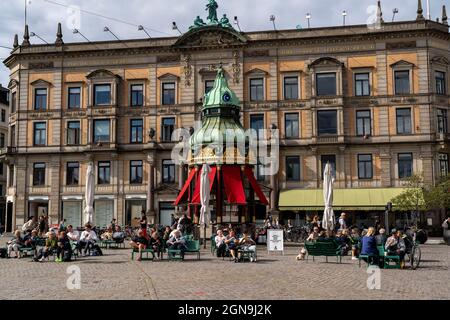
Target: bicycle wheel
414, 257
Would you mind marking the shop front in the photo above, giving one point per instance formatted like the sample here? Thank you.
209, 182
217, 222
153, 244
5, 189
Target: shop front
37, 206
134, 206
103, 211
72, 211
166, 210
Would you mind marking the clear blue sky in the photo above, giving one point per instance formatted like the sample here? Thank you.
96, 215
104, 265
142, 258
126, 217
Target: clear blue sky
157, 16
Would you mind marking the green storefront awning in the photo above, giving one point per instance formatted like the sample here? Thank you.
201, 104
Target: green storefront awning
343, 199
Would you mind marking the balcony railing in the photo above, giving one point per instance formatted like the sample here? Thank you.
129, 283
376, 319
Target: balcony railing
8, 150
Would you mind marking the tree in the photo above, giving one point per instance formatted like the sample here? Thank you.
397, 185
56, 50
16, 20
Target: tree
438, 197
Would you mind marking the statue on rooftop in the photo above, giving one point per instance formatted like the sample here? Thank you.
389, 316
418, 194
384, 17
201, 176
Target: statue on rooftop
212, 7
198, 22
225, 22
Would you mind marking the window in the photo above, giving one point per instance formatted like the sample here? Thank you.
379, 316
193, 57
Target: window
136, 172
104, 172
73, 173
102, 94
209, 84
11, 176
326, 84
40, 134
365, 166
293, 168
168, 89
137, 95
362, 84
12, 141
168, 126
402, 82
290, 88
136, 127
291, 125
13, 102
442, 121
73, 133
441, 87
257, 123
2, 140
404, 121
257, 89
38, 174
40, 99
405, 164
3, 115
443, 164
74, 98
327, 122
168, 167
363, 123
101, 131
329, 159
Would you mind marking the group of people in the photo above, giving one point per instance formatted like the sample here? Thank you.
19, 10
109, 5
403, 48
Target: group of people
230, 244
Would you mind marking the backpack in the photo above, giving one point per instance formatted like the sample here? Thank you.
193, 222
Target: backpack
3, 253
96, 251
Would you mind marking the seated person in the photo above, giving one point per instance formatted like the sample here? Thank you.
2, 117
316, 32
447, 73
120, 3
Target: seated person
107, 235
326, 236
354, 240
343, 240
72, 234
64, 249
140, 242
31, 241
369, 246
166, 234
51, 244
15, 244
220, 244
176, 241
381, 238
396, 246
118, 235
231, 242
87, 239
246, 244
314, 235
155, 243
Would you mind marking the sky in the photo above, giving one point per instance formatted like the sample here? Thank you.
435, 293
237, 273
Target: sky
123, 16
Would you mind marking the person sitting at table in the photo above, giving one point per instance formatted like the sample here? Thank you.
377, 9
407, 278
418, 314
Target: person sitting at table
51, 244
15, 244
395, 245
231, 244
246, 244
220, 244
107, 235
64, 249
369, 246
87, 239
140, 242
118, 235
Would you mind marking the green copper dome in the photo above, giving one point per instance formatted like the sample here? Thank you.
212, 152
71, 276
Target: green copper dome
220, 127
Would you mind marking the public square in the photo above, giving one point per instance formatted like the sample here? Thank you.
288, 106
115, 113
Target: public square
274, 277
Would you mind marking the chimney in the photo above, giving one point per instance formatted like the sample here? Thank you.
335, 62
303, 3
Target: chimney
444, 15
420, 16
26, 37
59, 41
16, 41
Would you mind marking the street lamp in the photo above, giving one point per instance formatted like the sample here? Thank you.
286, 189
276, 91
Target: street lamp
344, 15
272, 18
32, 34
236, 22
388, 209
308, 17
106, 29
175, 27
394, 12
76, 31
141, 28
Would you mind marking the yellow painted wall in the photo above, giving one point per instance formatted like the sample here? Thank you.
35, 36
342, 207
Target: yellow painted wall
292, 66
256, 65
393, 58
162, 71
362, 62
40, 76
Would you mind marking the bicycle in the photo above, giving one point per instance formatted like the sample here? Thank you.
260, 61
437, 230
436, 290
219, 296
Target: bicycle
413, 254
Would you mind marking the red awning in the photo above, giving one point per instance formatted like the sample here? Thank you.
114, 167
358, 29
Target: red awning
212, 176
183, 194
232, 181
255, 185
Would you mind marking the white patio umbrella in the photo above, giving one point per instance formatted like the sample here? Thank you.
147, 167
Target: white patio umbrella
205, 195
89, 195
328, 221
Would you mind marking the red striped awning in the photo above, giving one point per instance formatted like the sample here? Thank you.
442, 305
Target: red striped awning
232, 180
184, 194
255, 185
212, 176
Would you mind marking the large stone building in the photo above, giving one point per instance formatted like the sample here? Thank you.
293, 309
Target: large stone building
371, 100
4, 113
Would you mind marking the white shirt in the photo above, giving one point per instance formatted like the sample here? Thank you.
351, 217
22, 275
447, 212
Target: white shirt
74, 235
342, 223
85, 235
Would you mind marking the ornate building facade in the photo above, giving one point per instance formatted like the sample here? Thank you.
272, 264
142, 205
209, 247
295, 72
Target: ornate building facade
373, 101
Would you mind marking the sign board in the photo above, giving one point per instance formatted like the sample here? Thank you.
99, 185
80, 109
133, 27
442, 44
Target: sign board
275, 240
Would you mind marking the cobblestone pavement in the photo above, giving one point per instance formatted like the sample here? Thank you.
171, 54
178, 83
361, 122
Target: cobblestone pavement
115, 276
